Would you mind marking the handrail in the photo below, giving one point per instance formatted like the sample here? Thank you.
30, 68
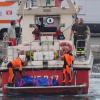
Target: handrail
67, 28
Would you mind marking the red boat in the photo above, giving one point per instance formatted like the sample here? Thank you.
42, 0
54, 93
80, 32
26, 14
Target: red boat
79, 85
45, 51
69, 90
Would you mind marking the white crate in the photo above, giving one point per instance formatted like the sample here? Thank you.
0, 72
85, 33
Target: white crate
44, 55
46, 38
38, 56
37, 63
55, 63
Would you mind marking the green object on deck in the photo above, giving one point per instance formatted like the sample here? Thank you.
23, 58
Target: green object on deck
80, 49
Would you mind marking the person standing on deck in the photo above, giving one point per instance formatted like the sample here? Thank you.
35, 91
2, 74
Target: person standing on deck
16, 63
36, 32
12, 33
82, 32
74, 30
18, 31
68, 62
58, 32
82, 29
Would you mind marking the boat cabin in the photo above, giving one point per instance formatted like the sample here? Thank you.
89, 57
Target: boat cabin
48, 15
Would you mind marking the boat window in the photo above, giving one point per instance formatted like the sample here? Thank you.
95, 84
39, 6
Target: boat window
47, 23
33, 3
27, 5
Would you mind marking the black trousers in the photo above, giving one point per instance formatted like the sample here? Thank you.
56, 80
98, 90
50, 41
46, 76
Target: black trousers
75, 40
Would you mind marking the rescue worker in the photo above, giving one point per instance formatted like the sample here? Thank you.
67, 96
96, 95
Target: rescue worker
58, 33
16, 63
68, 62
82, 30
18, 31
12, 33
36, 32
74, 30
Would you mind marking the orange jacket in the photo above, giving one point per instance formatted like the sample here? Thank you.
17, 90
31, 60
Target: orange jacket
17, 63
69, 59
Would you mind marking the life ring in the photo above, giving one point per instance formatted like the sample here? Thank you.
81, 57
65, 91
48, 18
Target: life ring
50, 20
66, 45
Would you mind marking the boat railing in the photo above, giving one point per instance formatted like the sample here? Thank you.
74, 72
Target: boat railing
41, 3
33, 48
68, 27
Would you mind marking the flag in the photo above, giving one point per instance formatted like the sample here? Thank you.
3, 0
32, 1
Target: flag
9, 12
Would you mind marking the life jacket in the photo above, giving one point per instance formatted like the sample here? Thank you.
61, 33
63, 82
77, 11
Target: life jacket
68, 59
17, 63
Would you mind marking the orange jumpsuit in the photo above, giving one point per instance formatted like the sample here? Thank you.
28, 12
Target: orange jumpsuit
67, 72
16, 63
